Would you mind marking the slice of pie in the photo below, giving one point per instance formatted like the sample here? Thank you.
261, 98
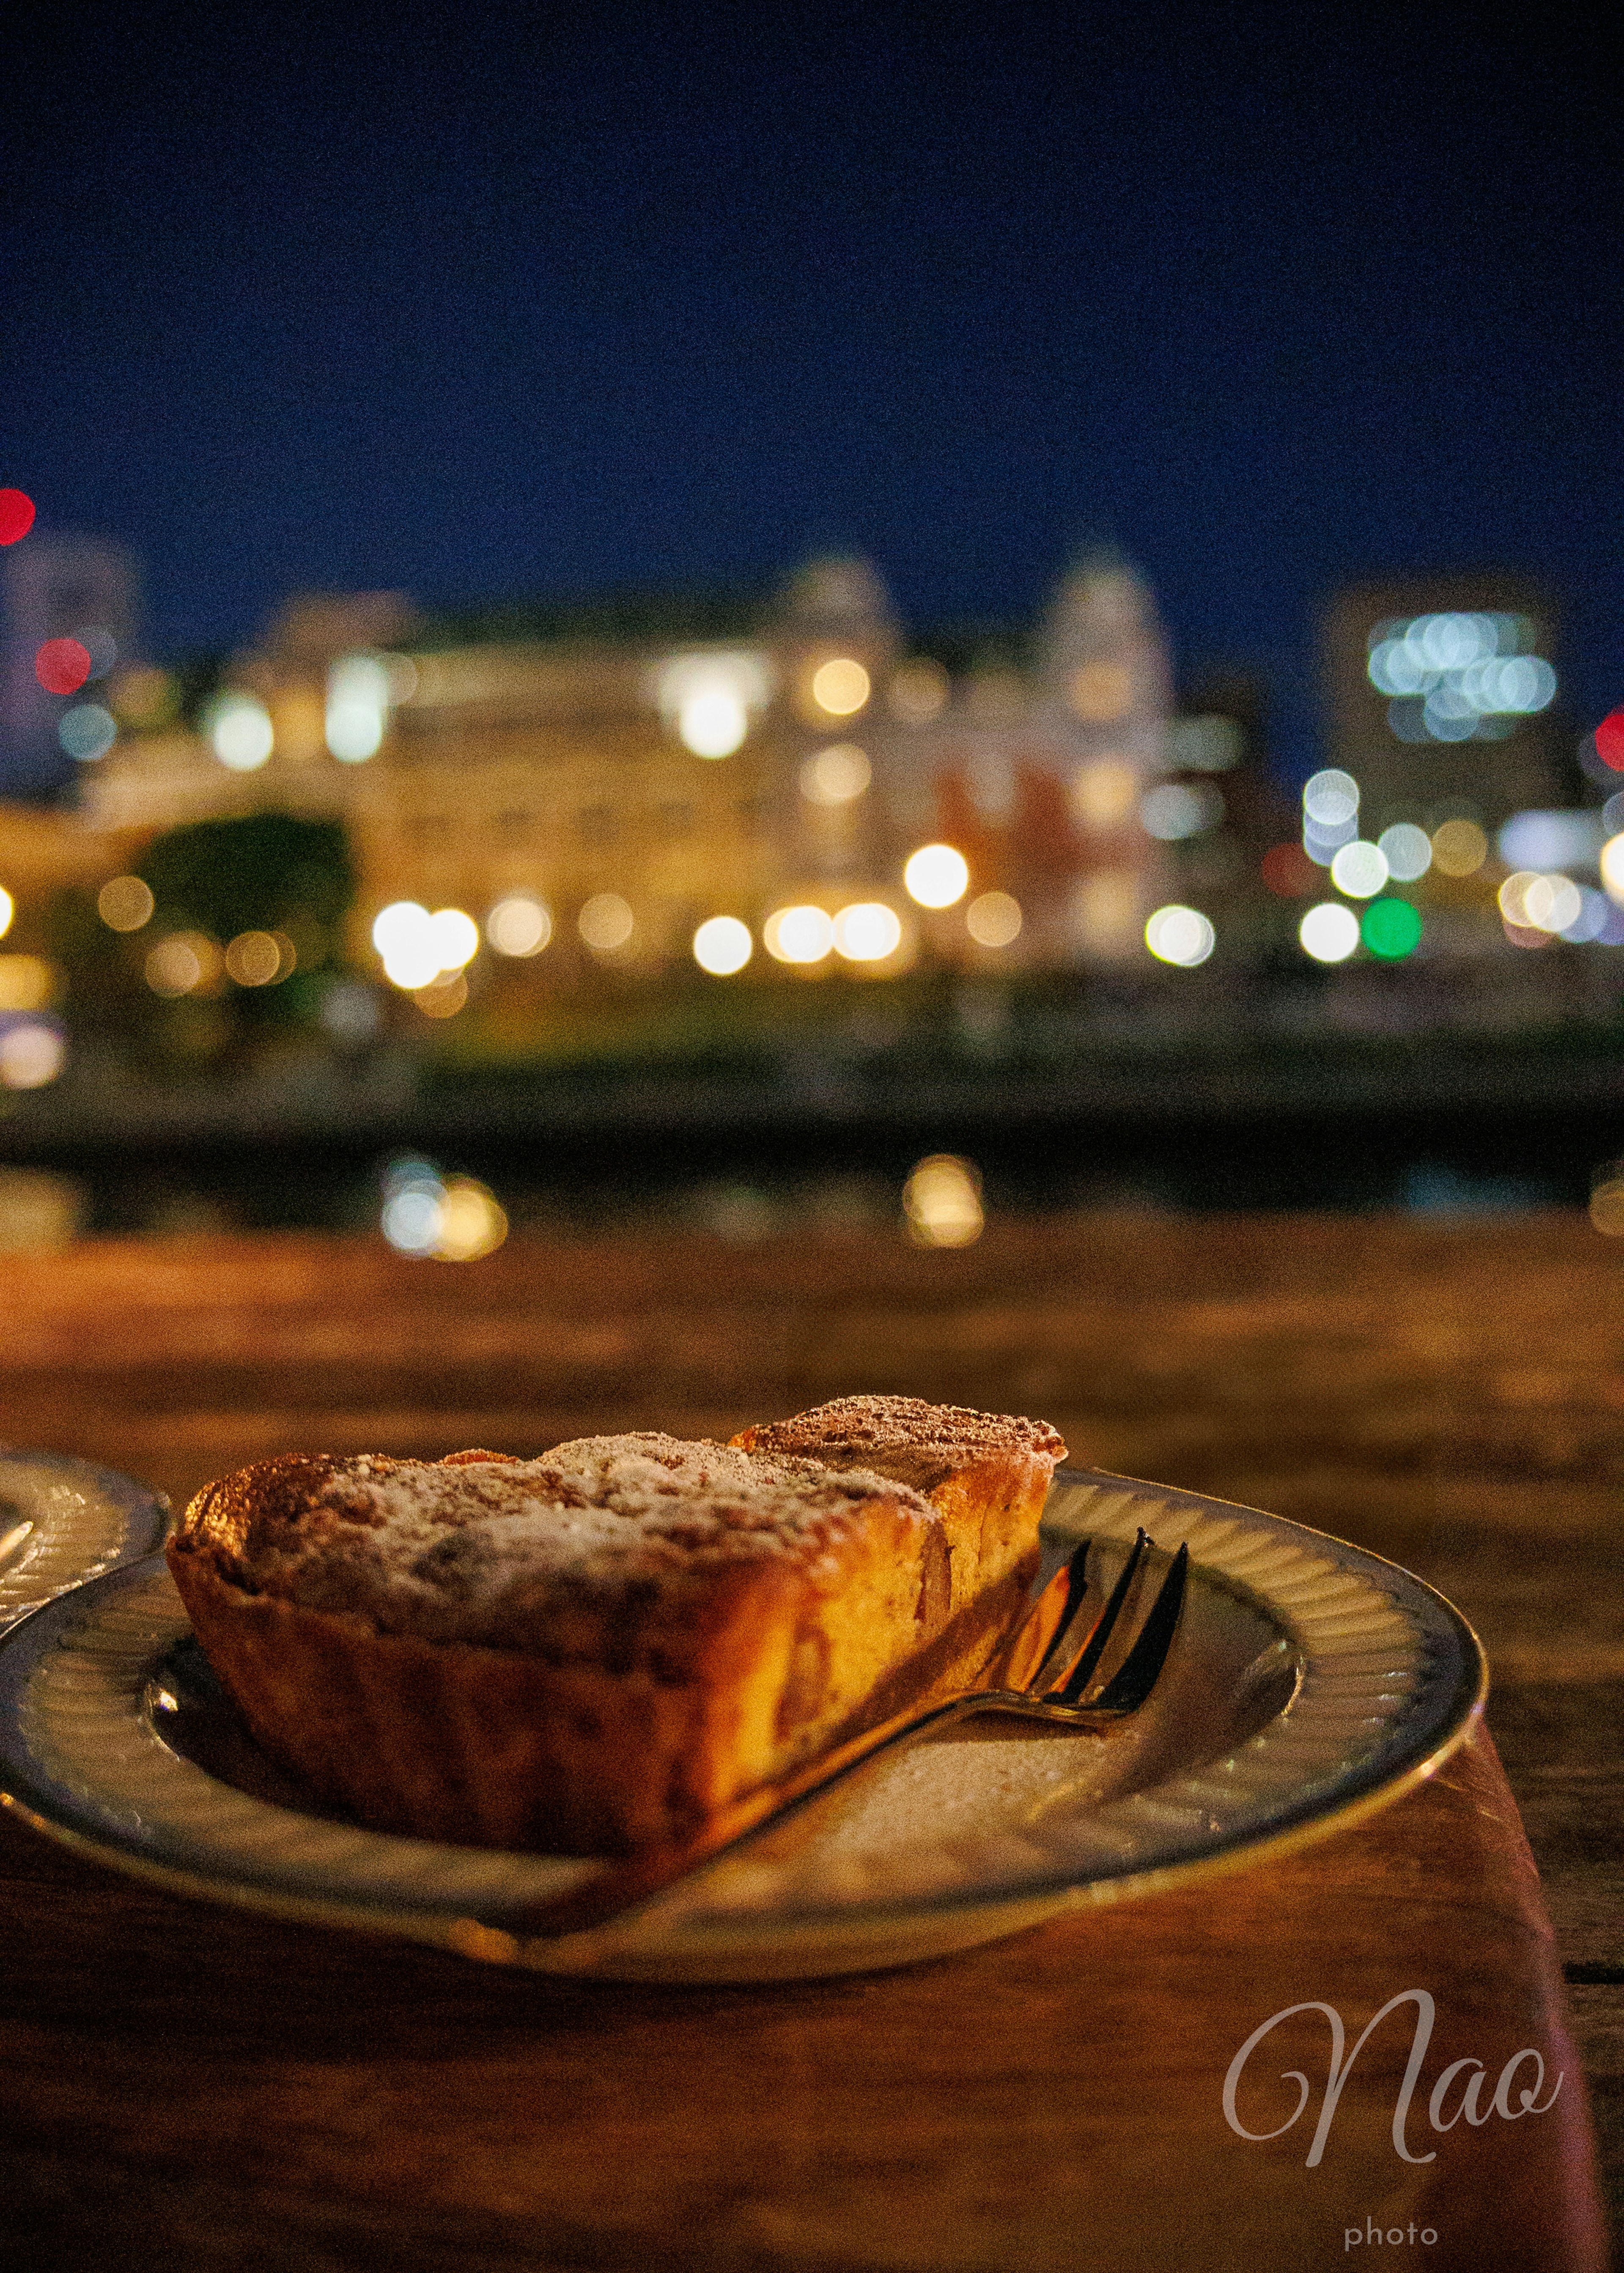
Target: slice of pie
594, 1650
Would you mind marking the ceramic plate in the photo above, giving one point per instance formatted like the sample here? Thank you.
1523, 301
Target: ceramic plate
62, 1520
1310, 1684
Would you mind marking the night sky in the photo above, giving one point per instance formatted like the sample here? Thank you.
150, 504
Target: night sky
453, 300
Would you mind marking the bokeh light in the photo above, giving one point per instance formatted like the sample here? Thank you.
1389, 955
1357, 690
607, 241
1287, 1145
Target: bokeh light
32, 1053
1407, 849
1182, 936
349, 1013
403, 935
520, 924
709, 697
867, 932
1611, 862
1391, 929
442, 997
936, 877
1547, 840
27, 982
1607, 1199
1539, 903
1104, 791
186, 963
1596, 911
472, 1223
840, 686
1329, 932
8, 909
418, 947
239, 730
606, 923
87, 731
450, 1219
1459, 848
1553, 903
1289, 873
258, 958
16, 515
994, 920
1359, 869
836, 776
712, 721
941, 1201
360, 687
62, 665
1331, 798
799, 934
454, 937
1610, 740
1457, 676
722, 946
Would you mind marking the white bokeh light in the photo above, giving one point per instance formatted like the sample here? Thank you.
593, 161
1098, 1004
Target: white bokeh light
867, 932
1182, 936
1359, 869
454, 937
1329, 932
520, 924
936, 876
240, 732
358, 707
801, 934
707, 697
1331, 798
722, 946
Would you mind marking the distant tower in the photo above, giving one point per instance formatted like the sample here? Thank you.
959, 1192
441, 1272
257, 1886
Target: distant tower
835, 637
56, 586
1105, 687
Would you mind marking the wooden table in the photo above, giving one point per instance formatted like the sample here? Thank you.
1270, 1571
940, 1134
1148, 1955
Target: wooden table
183, 2087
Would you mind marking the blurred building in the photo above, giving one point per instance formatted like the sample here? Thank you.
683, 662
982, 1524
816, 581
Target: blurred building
1442, 700
1039, 775
54, 588
637, 782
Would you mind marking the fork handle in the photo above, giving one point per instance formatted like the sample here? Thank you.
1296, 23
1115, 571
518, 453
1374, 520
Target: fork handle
610, 1894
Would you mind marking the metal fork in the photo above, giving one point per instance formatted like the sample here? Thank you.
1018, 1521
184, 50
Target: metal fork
1046, 1672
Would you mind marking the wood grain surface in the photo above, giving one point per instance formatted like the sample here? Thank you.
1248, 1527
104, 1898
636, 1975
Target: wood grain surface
183, 2086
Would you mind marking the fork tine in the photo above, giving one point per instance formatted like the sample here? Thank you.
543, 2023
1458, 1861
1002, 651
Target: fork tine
1137, 1674
1041, 1656
1082, 1672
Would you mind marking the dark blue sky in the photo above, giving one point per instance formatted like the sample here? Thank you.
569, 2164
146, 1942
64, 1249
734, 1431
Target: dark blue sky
457, 301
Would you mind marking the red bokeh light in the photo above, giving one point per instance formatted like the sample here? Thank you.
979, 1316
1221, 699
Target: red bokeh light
16, 515
1287, 870
61, 666
1610, 740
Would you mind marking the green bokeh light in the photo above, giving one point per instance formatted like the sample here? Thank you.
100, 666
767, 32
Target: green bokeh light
1390, 928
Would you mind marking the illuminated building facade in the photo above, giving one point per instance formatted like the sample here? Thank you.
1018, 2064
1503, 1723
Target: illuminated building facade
636, 787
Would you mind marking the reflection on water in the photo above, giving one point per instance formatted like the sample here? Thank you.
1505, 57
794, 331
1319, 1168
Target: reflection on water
935, 1197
